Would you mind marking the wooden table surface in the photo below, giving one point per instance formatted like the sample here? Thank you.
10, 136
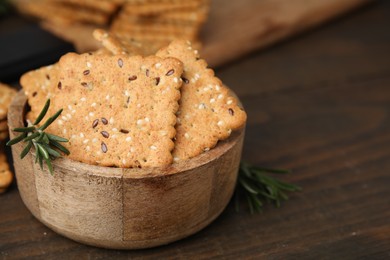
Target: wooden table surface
318, 104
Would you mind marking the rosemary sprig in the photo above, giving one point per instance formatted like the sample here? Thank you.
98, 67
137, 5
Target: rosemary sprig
258, 187
47, 147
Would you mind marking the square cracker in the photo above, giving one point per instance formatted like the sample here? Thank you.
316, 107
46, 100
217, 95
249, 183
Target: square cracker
118, 110
208, 111
7, 93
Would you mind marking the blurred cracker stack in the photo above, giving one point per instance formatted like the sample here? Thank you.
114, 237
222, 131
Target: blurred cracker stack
152, 23
156, 23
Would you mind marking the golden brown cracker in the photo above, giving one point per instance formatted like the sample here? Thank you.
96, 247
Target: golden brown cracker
118, 110
208, 112
6, 175
7, 93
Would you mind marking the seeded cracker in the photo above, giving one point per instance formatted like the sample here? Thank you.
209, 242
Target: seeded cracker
118, 110
207, 111
38, 86
6, 95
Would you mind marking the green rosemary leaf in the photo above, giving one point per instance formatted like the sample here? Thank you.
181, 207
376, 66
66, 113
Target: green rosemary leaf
248, 187
259, 187
51, 151
43, 151
24, 129
60, 147
26, 150
57, 138
49, 165
43, 113
50, 120
16, 140
30, 137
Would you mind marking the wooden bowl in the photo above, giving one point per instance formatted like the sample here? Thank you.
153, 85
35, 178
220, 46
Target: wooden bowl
126, 208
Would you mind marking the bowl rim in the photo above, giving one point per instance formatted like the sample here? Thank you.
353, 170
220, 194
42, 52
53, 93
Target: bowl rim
15, 118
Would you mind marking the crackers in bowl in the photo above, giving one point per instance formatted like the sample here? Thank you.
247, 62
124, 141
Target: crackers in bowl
125, 110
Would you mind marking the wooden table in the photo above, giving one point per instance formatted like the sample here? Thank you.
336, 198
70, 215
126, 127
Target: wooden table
318, 104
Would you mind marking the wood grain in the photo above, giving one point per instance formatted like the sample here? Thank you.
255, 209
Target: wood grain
126, 208
318, 105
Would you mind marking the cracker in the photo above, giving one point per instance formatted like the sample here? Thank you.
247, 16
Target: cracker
105, 6
3, 135
208, 112
118, 110
7, 93
59, 13
38, 86
151, 8
6, 176
116, 45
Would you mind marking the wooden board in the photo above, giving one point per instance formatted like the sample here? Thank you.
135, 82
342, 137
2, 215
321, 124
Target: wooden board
236, 28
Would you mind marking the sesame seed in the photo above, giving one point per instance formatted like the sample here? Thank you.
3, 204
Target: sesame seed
212, 100
64, 118
123, 161
139, 122
127, 93
108, 97
176, 80
86, 118
229, 102
114, 129
128, 139
73, 136
220, 123
220, 96
197, 76
89, 65
113, 136
163, 133
176, 159
81, 135
73, 111
153, 147
94, 140
202, 106
196, 52
91, 114
86, 72
60, 122
88, 148
189, 48
138, 105
206, 89
206, 149
85, 141
124, 131
132, 149
217, 87
186, 135
69, 116
147, 119
83, 99
104, 121
64, 131
158, 65
111, 120
93, 105
120, 63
